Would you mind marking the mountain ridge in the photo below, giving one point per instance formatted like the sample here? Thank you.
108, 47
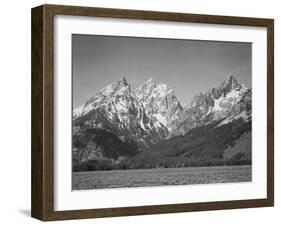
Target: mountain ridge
160, 103
144, 117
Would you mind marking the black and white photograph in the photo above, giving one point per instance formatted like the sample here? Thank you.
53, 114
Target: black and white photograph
160, 112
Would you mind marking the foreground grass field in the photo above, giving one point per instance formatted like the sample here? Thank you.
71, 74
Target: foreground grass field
160, 177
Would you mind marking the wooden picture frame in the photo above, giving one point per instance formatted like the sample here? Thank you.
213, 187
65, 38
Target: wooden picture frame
42, 203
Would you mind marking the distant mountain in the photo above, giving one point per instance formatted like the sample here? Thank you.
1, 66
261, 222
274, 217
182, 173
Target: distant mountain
149, 119
231, 100
116, 109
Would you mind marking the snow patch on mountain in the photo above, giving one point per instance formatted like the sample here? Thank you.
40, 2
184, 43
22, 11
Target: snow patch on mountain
242, 115
161, 119
107, 90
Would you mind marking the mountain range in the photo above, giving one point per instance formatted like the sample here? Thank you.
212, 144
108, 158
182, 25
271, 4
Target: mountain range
149, 127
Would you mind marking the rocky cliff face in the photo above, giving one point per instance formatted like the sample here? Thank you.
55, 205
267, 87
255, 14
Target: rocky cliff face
160, 102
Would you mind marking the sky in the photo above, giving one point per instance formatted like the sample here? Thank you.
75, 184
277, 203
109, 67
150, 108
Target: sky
187, 66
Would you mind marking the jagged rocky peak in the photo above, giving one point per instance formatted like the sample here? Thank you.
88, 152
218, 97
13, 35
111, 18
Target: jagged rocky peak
104, 96
198, 96
164, 88
121, 84
230, 99
230, 88
150, 86
149, 80
150, 89
145, 89
230, 83
159, 102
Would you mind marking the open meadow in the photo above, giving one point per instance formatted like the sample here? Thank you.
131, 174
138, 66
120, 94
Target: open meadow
160, 177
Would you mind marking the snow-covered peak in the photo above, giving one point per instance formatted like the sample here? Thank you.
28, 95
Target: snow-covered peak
108, 90
229, 89
145, 89
112, 89
149, 80
163, 86
230, 83
149, 88
159, 102
161, 90
217, 103
104, 96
